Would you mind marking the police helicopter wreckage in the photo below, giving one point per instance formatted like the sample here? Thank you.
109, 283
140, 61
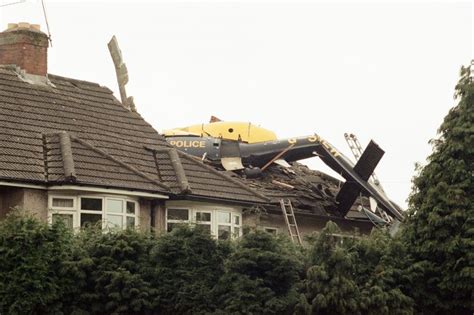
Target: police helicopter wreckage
247, 147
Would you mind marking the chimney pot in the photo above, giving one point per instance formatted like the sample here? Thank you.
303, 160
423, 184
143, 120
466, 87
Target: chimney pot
25, 46
23, 25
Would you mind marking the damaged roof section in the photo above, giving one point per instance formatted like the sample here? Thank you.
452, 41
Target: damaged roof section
73, 131
310, 191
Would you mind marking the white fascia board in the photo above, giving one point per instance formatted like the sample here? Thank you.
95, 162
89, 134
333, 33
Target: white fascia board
107, 191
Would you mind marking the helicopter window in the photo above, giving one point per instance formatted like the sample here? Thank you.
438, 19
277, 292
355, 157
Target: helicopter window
231, 130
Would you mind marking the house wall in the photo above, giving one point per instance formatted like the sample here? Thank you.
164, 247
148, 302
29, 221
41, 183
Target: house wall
306, 224
36, 201
31, 200
144, 218
153, 213
160, 217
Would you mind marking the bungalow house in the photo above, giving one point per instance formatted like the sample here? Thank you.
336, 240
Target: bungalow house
69, 149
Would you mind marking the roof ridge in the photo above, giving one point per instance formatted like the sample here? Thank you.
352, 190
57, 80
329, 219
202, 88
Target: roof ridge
77, 80
223, 175
121, 163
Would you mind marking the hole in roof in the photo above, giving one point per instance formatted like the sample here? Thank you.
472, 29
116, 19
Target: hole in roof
231, 130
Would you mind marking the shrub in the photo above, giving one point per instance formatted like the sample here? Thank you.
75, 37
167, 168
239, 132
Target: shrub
31, 255
261, 277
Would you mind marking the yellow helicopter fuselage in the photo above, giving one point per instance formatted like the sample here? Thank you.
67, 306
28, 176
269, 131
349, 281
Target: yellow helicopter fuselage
245, 132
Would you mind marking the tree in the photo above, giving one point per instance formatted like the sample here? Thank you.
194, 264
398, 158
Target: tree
106, 273
329, 285
440, 228
31, 255
354, 275
380, 264
186, 264
261, 276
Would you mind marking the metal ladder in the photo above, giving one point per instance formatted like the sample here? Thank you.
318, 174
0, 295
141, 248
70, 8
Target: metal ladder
290, 220
356, 149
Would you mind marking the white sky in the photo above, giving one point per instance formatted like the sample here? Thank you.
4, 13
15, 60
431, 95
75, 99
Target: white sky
382, 70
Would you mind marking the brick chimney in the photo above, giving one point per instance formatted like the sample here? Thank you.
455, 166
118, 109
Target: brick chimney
25, 46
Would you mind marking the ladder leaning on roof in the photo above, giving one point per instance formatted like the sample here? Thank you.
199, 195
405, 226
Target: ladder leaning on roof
290, 220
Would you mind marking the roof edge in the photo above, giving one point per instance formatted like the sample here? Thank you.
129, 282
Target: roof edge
225, 176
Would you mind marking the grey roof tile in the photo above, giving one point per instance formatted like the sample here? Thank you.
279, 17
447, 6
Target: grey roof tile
107, 142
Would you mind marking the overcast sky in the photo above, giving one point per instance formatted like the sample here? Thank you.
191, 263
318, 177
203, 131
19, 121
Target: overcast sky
384, 71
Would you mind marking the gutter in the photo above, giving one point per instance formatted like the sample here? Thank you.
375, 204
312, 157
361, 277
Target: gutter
85, 188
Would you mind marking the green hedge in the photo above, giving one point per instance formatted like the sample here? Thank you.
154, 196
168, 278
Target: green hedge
48, 270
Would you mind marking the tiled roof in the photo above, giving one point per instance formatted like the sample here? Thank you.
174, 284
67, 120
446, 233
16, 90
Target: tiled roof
310, 191
107, 142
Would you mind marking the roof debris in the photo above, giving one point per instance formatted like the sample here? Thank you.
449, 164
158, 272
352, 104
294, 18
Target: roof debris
310, 191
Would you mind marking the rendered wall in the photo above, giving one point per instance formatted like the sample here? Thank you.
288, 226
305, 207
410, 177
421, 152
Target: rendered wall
144, 218
306, 224
36, 201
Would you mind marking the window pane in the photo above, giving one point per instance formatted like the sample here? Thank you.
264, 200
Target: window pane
89, 219
67, 219
271, 230
130, 222
236, 232
206, 227
130, 207
63, 202
114, 221
223, 217
178, 214
223, 232
236, 220
203, 216
172, 226
91, 204
114, 205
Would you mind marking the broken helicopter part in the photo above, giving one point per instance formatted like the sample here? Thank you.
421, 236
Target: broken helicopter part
241, 146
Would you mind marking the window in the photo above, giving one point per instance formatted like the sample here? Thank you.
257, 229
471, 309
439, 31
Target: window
67, 219
100, 211
90, 212
175, 217
271, 230
203, 220
63, 203
120, 213
224, 227
224, 224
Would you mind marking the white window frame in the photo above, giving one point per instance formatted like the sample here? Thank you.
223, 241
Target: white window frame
62, 210
73, 198
270, 228
124, 215
195, 221
76, 210
214, 210
175, 221
96, 212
